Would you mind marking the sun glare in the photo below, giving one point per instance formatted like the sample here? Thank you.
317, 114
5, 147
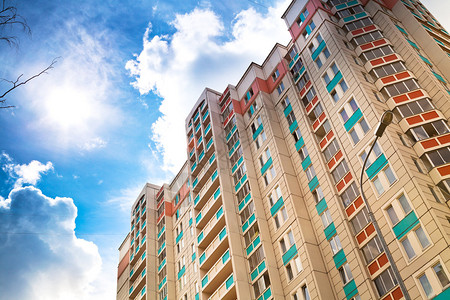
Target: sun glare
69, 109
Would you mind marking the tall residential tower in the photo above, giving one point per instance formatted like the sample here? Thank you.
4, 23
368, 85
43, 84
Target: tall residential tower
268, 204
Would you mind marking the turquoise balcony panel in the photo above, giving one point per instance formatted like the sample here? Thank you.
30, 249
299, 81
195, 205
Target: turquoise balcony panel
214, 175
330, 231
299, 144
226, 256
197, 297
253, 245
287, 110
180, 235
351, 122
183, 269
194, 255
202, 258
190, 222
200, 237
376, 166
266, 166
313, 183
212, 158
291, 64
289, 254
332, 84
413, 44
293, 126
339, 258
229, 282
216, 193
209, 143
405, 225
161, 265
198, 218
267, 294
258, 131
219, 213
204, 281
274, 209
350, 289
425, 60
162, 283
196, 199
306, 163
321, 206
222, 234
318, 50
439, 77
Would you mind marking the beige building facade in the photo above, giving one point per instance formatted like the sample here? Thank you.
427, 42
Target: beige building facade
268, 204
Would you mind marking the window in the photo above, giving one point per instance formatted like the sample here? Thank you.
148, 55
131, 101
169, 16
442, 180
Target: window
274, 195
341, 86
378, 96
350, 11
251, 234
389, 69
415, 242
269, 175
348, 109
252, 109
301, 18
248, 95
399, 207
275, 75
290, 118
376, 152
287, 242
280, 88
418, 165
285, 102
309, 96
372, 249
303, 80
326, 218
378, 52
383, 180
360, 220
261, 284
401, 87
367, 38
359, 130
385, 282
294, 267
346, 274
239, 173
413, 108
323, 55
335, 244
260, 139
293, 52
256, 258
309, 28
350, 194
310, 173
305, 293
436, 158
264, 157
247, 212
358, 24
434, 193
429, 130
303, 152
340, 171
318, 194
280, 217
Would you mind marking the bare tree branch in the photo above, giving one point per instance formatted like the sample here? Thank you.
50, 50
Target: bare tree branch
16, 83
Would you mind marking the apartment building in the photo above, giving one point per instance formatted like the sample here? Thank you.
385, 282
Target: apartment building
268, 204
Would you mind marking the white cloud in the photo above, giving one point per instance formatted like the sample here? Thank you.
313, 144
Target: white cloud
49, 261
178, 67
40, 255
26, 173
94, 143
75, 104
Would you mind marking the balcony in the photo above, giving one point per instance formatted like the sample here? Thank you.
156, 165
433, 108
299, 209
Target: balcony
211, 229
219, 273
352, 18
420, 119
440, 173
384, 60
431, 144
226, 291
207, 169
139, 284
138, 266
344, 6
211, 206
394, 78
207, 191
214, 250
406, 97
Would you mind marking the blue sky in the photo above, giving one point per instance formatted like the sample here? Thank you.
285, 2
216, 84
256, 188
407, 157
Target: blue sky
84, 138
